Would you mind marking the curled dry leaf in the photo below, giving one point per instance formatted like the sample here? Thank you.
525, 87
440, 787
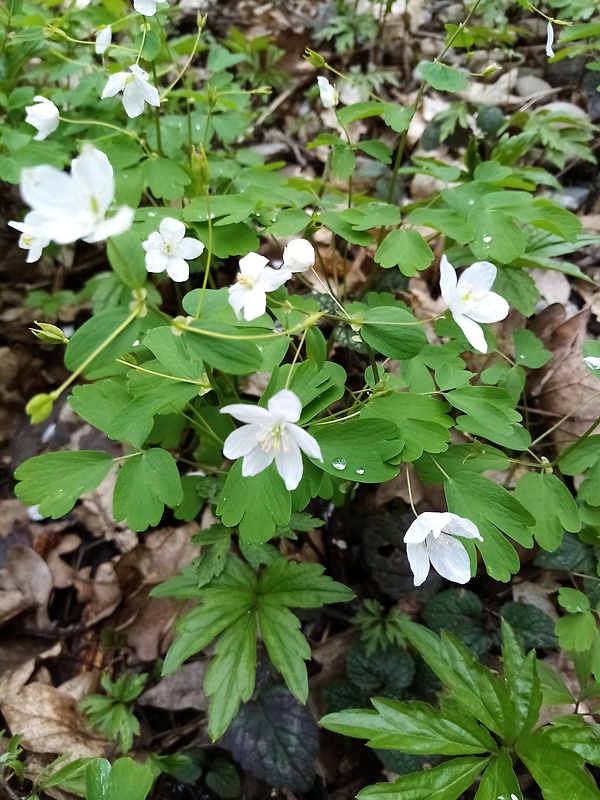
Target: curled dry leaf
181, 690
25, 583
100, 594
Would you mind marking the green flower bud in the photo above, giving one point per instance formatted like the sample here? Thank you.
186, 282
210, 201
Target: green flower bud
314, 58
49, 334
39, 407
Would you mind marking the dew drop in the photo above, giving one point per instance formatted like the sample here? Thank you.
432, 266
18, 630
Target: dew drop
360, 471
151, 214
487, 238
471, 203
339, 463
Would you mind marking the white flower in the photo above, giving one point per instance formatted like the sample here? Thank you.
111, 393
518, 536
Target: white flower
43, 116
593, 362
168, 250
299, 255
430, 540
550, 40
147, 7
329, 96
136, 90
103, 39
470, 299
31, 237
74, 206
248, 296
271, 435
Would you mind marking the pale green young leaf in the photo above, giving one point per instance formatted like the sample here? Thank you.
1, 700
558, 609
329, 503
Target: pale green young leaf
406, 250
443, 78
448, 781
259, 504
529, 350
286, 645
127, 258
499, 779
497, 236
576, 632
356, 111
145, 484
361, 450
372, 215
55, 481
552, 505
573, 600
397, 117
554, 768
99, 403
393, 332
299, 585
230, 676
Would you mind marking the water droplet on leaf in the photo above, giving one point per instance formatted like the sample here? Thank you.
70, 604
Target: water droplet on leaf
339, 463
360, 471
487, 238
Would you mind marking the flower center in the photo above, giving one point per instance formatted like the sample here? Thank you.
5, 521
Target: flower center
273, 440
247, 281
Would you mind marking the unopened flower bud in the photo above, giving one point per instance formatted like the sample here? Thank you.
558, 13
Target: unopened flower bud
39, 407
314, 58
49, 334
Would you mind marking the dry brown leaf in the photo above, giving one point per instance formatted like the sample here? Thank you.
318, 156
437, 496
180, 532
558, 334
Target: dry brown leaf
149, 623
101, 594
50, 723
182, 689
62, 573
12, 680
25, 574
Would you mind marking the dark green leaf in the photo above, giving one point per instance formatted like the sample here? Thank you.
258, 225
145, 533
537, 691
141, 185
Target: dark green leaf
533, 627
448, 781
499, 779
459, 611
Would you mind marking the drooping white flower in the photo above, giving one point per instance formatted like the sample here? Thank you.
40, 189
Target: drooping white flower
329, 95
271, 435
471, 300
248, 296
103, 39
430, 540
74, 206
593, 362
549, 40
299, 255
31, 239
167, 249
136, 90
44, 116
147, 7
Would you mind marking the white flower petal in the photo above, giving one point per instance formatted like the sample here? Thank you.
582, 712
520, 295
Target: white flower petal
549, 40
256, 461
149, 93
328, 94
241, 441
593, 362
172, 229
44, 116
133, 99
429, 522
103, 40
460, 526
48, 191
154, 242
449, 558
472, 331
447, 281
299, 255
115, 84
255, 303
479, 277
245, 412
289, 465
490, 308
307, 443
93, 180
418, 561
271, 279
253, 264
156, 260
112, 226
145, 7
189, 248
178, 269
285, 405
237, 296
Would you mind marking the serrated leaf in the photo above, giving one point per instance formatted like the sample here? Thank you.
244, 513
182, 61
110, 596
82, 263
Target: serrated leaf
447, 781
533, 627
443, 78
385, 672
552, 505
55, 481
286, 645
359, 449
145, 484
554, 768
275, 739
300, 585
458, 611
406, 250
522, 680
499, 780
393, 332
230, 676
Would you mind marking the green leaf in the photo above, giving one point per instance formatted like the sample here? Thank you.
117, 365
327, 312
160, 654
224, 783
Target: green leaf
448, 222
286, 645
447, 781
359, 449
127, 258
387, 671
315, 387
165, 178
393, 332
230, 676
145, 484
579, 736
486, 405
443, 78
372, 215
529, 351
552, 505
398, 117
522, 679
123, 780
422, 421
276, 740
576, 632
300, 585
405, 249
356, 111
555, 768
223, 346
238, 505
99, 403
224, 780
460, 612
343, 162
335, 222
533, 627
573, 600
376, 149
499, 780
497, 236
55, 481
94, 332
